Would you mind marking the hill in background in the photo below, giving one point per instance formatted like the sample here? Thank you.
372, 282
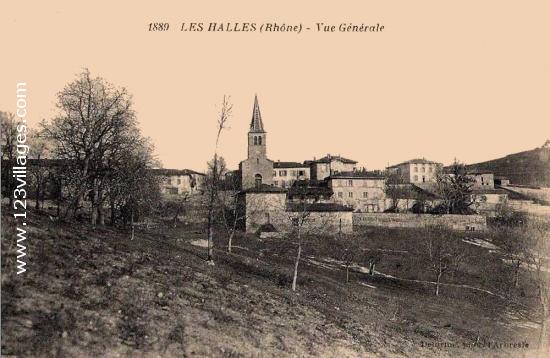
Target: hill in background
531, 167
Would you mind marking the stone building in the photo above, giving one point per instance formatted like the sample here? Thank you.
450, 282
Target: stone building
257, 169
482, 180
267, 208
417, 170
360, 190
180, 181
286, 173
328, 165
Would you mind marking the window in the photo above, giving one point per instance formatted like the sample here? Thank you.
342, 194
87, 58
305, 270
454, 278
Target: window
283, 184
282, 173
415, 178
350, 194
258, 180
415, 169
255, 140
430, 169
365, 194
275, 182
350, 182
423, 170
293, 173
260, 140
274, 173
179, 181
300, 172
423, 179
340, 194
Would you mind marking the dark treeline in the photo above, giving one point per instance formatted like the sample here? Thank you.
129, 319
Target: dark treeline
91, 159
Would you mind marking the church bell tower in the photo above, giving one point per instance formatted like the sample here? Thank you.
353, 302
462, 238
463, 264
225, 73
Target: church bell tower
256, 134
256, 170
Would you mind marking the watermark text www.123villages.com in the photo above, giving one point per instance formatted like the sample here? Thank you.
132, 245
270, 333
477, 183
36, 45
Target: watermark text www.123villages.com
19, 172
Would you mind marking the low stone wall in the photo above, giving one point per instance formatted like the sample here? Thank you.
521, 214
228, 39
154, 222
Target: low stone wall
455, 222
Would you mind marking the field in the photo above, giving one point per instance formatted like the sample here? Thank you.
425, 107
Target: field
95, 292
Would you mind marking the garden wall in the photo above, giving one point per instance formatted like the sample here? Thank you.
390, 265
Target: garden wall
455, 222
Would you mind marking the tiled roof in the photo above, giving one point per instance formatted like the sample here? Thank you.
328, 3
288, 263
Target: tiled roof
279, 164
264, 188
310, 191
415, 161
357, 175
329, 158
488, 191
170, 172
316, 207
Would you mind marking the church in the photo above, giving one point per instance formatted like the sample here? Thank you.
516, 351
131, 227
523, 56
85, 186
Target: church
263, 204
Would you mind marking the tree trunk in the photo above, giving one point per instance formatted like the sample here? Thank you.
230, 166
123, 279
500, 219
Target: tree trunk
437, 284
347, 273
516, 275
93, 216
542, 336
213, 192
59, 197
210, 257
297, 262
113, 213
543, 323
132, 223
37, 199
100, 213
230, 240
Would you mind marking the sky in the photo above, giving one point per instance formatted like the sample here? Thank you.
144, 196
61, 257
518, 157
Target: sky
467, 80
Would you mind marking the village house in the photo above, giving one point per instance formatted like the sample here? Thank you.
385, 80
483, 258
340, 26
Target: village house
328, 165
180, 181
417, 170
482, 179
286, 173
360, 190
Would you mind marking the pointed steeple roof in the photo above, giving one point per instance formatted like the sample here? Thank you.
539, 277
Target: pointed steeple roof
256, 125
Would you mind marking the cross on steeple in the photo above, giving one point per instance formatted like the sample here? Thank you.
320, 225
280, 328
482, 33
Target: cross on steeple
256, 125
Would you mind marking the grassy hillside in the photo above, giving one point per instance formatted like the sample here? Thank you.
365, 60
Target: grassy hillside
94, 292
531, 167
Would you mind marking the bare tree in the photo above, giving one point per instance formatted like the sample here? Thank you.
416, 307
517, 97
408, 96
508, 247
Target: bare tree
39, 150
213, 185
94, 118
394, 188
9, 142
538, 260
133, 189
441, 251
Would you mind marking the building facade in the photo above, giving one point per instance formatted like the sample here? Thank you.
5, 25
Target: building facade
180, 181
363, 191
330, 164
417, 170
286, 173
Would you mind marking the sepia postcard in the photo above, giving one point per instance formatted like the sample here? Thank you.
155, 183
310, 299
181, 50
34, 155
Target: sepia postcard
275, 179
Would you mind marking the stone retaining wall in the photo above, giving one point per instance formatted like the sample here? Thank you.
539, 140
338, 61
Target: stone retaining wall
455, 222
